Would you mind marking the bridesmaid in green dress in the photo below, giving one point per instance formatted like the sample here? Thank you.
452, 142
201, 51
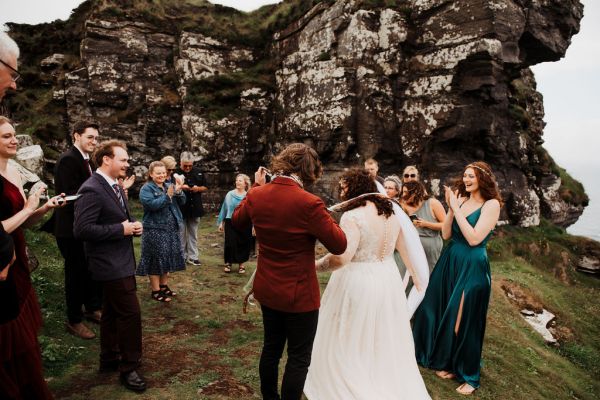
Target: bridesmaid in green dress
449, 325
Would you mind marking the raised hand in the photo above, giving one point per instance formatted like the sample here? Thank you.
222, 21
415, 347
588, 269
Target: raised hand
454, 200
170, 190
260, 176
447, 194
33, 201
128, 182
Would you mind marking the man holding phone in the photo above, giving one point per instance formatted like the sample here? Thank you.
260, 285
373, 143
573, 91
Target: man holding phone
71, 171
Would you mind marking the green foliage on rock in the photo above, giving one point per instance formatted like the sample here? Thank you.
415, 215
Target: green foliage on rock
570, 190
219, 96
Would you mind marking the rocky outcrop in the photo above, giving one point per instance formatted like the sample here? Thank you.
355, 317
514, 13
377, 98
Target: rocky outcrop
127, 84
29, 163
435, 83
438, 87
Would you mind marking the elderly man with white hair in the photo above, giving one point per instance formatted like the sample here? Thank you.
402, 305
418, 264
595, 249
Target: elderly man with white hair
9, 53
195, 185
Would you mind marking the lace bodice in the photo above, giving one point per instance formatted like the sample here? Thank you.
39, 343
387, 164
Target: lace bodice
370, 237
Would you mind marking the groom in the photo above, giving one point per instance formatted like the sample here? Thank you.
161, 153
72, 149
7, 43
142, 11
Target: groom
288, 220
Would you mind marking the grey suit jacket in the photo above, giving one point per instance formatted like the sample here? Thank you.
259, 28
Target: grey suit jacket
98, 222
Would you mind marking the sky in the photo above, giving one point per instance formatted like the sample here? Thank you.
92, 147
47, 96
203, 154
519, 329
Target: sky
571, 86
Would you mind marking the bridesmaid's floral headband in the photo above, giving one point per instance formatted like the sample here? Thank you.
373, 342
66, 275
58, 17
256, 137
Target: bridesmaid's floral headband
479, 168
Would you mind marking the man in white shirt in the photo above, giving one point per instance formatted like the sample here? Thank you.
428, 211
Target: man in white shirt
105, 224
71, 171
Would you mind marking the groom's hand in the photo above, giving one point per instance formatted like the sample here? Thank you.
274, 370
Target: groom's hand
260, 176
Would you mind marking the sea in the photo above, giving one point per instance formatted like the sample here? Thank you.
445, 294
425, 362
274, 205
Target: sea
588, 224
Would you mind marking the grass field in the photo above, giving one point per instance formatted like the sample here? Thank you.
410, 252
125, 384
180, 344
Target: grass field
201, 345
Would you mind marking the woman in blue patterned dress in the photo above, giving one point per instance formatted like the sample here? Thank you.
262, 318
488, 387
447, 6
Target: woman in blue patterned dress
161, 242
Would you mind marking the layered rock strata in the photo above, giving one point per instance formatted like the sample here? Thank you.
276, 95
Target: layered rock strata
433, 83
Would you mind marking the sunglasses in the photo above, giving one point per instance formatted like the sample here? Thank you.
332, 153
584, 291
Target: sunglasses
410, 175
14, 75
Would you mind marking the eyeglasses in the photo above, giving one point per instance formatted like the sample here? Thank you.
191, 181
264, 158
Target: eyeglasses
410, 175
170, 169
14, 75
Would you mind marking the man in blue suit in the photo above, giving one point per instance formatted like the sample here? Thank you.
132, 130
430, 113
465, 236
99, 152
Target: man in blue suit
104, 223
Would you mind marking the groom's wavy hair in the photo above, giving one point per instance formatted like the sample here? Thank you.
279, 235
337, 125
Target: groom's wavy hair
358, 182
298, 159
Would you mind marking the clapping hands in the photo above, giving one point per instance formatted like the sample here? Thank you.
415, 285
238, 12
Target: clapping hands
179, 180
452, 198
128, 182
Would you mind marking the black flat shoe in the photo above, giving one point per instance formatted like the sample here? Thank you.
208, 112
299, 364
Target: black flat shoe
133, 381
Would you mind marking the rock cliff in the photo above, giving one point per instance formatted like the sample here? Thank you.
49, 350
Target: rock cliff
435, 83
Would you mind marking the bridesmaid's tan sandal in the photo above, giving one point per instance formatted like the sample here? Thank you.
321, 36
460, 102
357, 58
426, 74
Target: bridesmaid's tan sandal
466, 389
445, 374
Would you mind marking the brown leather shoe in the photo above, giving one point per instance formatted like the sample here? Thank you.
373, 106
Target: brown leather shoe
80, 330
94, 316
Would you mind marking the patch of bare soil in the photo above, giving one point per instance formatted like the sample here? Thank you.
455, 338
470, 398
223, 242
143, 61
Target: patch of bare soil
83, 383
526, 300
243, 353
227, 386
161, 353
562, 267
521, 297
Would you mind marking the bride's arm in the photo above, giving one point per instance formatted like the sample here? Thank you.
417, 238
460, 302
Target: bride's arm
401, 248
331, 262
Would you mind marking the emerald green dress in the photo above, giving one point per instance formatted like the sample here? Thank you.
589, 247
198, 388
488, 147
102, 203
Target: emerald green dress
460, 269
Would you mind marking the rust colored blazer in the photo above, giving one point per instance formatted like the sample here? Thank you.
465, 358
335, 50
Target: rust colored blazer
288, 221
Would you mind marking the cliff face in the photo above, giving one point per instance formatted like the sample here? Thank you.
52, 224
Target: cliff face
433, 83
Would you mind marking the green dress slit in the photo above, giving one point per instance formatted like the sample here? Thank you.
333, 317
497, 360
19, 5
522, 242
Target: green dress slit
460, 269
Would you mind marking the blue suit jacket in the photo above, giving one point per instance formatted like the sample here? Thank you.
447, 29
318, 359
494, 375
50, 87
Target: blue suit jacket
98, 222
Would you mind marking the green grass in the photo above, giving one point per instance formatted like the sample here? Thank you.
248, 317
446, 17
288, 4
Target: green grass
202, 346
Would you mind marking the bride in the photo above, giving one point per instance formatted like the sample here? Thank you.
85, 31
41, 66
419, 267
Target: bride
364, 347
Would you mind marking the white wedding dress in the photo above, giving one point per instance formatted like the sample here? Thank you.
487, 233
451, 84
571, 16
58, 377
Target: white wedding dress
363, 348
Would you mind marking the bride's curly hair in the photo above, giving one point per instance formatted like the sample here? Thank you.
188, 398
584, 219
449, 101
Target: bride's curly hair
359, 182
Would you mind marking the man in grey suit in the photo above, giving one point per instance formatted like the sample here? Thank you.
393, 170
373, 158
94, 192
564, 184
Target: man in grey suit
104, 223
